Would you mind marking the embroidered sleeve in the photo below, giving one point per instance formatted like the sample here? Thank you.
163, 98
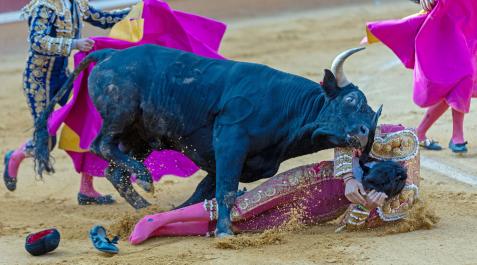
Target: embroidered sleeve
343, 161
104, 19
41, 23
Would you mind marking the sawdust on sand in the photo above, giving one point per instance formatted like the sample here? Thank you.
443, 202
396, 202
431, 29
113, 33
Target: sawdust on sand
123, 224
421, 216
274, 236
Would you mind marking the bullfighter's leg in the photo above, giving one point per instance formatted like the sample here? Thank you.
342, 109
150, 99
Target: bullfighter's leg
12, 161
204, 191
183, 229
88, 195
145, 227
231, 145
121, 181
107, 147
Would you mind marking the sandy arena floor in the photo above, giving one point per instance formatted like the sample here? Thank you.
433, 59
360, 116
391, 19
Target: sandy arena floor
303, 43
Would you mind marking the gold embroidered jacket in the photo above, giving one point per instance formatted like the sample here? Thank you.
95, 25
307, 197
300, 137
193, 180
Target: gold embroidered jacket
54, 24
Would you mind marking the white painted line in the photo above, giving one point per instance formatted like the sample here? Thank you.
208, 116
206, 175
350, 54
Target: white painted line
11, 17
113, 3
449, 171
391, 64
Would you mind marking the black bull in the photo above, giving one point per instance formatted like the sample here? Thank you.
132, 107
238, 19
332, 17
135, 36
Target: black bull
238, 121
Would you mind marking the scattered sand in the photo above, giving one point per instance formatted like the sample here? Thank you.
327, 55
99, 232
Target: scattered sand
124, 224
274, 236
268, 237
421, 216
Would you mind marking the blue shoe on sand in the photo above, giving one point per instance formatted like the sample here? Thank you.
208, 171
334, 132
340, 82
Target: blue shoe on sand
430, 145
101, 242
42, 242
10, 183
458, 148
101, 200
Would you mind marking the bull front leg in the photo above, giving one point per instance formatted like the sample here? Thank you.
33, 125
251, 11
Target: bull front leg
230, 146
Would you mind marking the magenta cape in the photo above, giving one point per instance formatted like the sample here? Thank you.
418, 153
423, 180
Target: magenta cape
441, 48
162, 26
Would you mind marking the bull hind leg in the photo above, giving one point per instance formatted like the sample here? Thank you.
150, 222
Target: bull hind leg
107, 147
121, 181
205, 191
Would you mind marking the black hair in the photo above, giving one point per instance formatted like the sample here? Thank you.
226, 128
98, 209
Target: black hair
386, 176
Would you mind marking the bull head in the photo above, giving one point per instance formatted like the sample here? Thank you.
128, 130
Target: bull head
346, 118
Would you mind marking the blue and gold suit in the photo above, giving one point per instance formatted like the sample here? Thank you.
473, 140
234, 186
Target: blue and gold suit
54, 24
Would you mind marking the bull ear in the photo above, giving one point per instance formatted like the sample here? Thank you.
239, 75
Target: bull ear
330, 86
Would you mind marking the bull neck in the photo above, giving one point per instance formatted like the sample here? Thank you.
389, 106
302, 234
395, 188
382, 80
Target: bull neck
307, 104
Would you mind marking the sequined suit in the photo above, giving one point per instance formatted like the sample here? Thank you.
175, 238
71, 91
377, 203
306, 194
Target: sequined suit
391, 143
53, 26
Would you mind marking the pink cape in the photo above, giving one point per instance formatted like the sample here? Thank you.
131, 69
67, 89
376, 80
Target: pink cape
441, 48
162, 26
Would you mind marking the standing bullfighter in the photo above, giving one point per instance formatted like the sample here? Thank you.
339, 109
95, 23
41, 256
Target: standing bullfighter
55, 31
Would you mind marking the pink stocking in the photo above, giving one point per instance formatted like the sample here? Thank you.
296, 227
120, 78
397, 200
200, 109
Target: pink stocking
16, 159
86, 187
458, 127
145, 228
432, 114
183, 229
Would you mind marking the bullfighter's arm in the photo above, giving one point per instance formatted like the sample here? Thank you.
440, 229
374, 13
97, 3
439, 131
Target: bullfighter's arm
104, 19
343, 163
41, 24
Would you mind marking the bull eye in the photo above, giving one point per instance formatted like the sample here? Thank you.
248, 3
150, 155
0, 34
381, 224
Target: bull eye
350, 100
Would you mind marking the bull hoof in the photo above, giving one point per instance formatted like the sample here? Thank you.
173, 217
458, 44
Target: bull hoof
224, 229
122, 184
140, 204
223, 235
135, 200
145, 185
101, 200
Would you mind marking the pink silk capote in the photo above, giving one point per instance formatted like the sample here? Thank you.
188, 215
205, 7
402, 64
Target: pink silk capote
162, 26
441, 48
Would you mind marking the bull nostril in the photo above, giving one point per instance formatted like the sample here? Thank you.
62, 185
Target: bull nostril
364, 130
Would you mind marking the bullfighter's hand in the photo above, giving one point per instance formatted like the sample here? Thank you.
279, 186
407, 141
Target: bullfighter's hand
354, 192
375, 199
357, 152
84, 45
428, 5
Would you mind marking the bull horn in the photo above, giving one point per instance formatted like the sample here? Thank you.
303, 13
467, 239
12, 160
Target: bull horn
337, 66
377, 115
372, 131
